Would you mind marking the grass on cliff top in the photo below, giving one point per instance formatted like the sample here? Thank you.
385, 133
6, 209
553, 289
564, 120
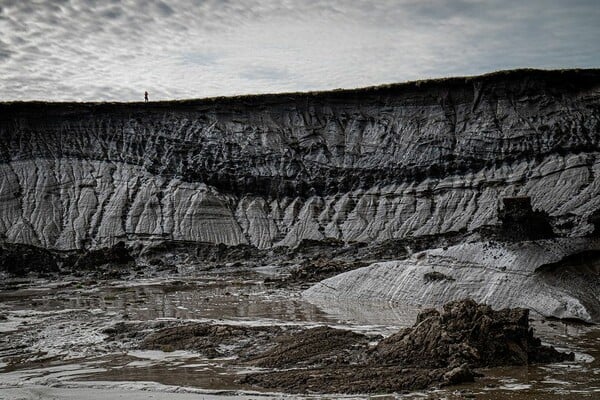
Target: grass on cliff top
556, 75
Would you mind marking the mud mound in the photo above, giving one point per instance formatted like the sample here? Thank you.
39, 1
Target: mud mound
467, 333
317, 346
115, 255
20, 260
212, 340
440, 349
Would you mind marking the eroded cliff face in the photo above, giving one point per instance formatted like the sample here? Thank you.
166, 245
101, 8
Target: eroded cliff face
361, 165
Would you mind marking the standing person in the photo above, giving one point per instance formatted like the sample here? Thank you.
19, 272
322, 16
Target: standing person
146, 96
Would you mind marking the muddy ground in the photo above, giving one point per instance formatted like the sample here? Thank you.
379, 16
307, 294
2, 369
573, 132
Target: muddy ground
231, 320
227, 332
441, 349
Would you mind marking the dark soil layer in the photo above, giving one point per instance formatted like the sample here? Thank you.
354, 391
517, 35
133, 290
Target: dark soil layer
314, 260
104, 263
20, 260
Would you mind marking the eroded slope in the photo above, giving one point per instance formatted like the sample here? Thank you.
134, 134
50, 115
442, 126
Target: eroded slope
362, 165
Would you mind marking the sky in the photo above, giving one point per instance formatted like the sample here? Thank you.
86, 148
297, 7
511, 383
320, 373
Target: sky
114, 50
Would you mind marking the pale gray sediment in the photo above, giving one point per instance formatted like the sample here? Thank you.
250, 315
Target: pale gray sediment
554, 277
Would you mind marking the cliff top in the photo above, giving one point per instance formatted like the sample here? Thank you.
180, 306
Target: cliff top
563, 77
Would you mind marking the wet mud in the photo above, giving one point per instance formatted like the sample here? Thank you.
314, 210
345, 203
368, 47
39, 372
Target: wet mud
229, 332
441, 349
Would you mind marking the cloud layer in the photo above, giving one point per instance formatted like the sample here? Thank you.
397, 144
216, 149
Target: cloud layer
114, 50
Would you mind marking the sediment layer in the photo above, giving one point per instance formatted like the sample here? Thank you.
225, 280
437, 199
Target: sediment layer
359, 165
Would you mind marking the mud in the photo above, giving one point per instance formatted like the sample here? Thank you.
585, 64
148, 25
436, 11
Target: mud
213, 341
347, 379
125, 334
440, 349
320, 346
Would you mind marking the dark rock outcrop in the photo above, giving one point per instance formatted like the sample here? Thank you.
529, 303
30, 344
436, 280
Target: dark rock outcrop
117, 256
520, 222
436, 277
21, 260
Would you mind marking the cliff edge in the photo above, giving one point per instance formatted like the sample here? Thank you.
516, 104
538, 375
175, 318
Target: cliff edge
367, 165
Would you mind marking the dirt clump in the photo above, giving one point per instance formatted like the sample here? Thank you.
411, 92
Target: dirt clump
317, 346
213, 340
442, 348
467, 333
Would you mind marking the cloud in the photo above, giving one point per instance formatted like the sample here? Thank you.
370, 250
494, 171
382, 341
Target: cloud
114, 50
265, 73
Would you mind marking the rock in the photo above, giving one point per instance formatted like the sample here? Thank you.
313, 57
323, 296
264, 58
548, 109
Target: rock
436, 277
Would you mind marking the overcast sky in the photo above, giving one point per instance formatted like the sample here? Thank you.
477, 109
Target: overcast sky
116, 49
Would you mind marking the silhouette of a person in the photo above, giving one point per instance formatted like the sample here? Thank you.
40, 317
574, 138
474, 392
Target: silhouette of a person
146, 96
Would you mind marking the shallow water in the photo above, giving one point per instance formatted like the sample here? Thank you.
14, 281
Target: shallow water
52, 340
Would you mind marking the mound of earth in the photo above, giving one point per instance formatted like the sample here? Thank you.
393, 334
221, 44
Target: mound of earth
20, 260
440, 349
466, 333
317, 346
212, 340
117, 255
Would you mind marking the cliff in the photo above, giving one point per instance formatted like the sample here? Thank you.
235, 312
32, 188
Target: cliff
356, 165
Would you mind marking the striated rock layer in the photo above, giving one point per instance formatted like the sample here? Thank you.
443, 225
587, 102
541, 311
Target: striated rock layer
359, 165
